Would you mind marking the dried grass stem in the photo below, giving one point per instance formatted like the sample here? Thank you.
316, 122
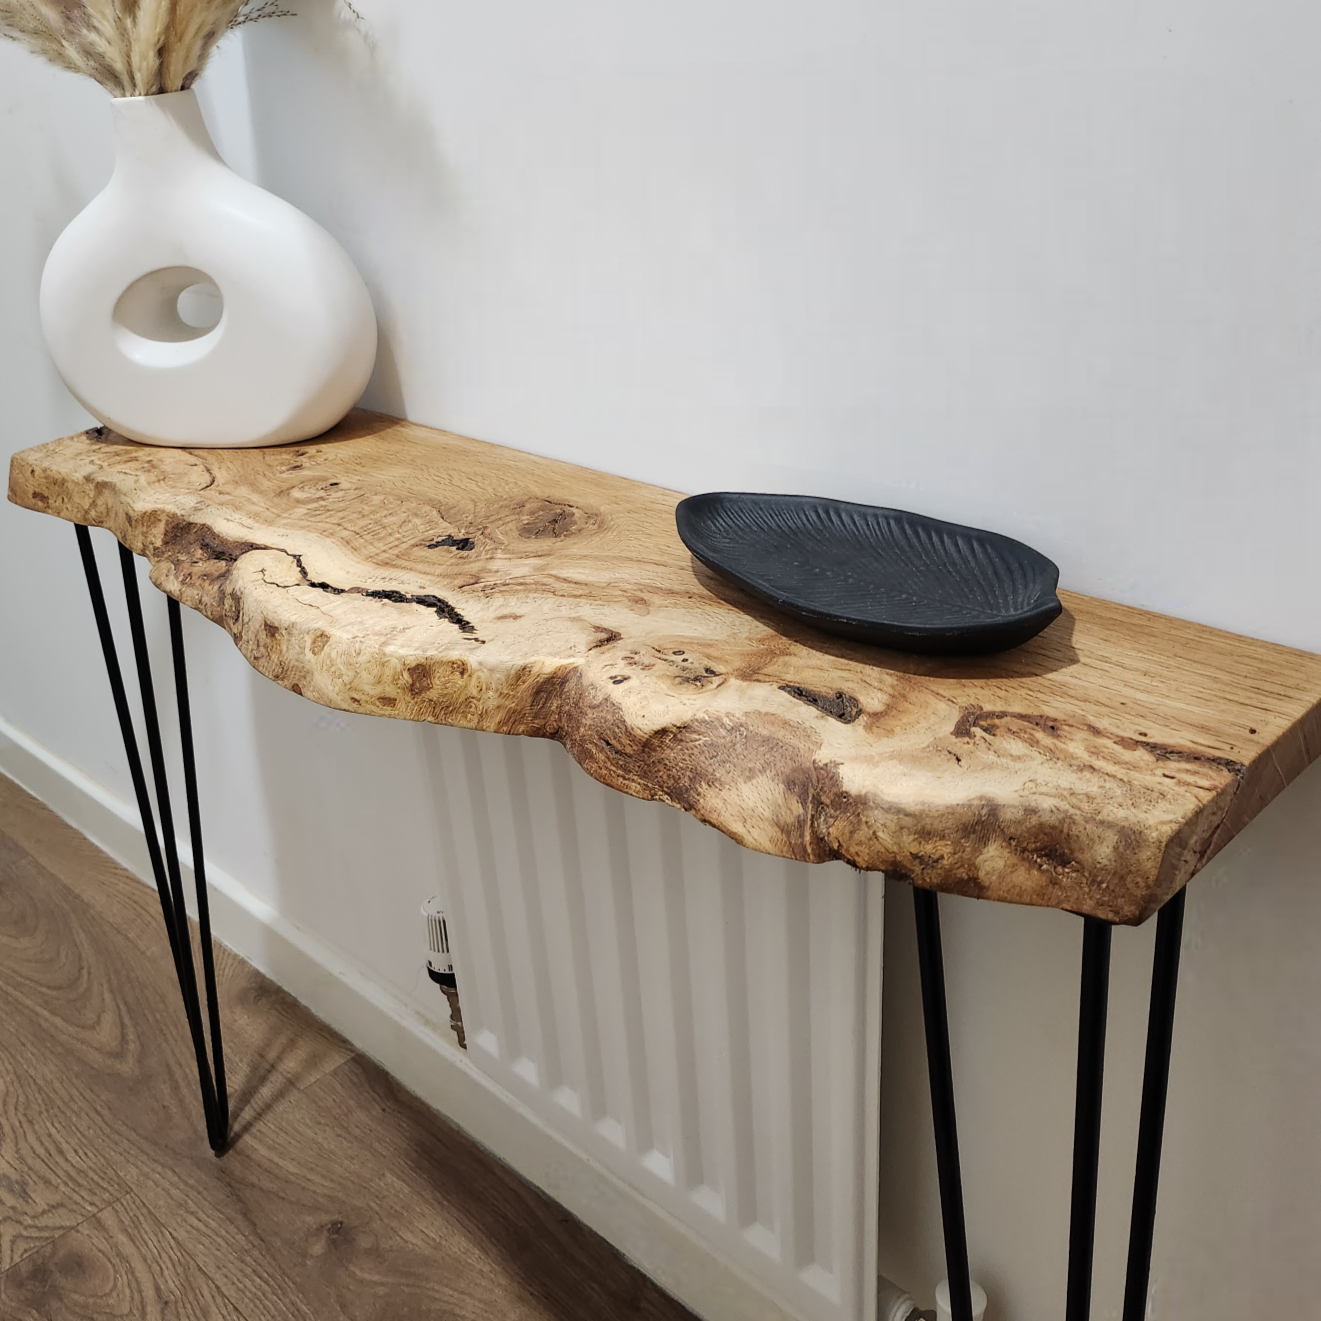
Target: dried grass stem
131, 47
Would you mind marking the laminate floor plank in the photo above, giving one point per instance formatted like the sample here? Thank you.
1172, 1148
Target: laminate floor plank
259, 1016
344, 1198
122, 1264
294, 1221
75, 987
354, 1237
50, 1180
563, 1269
79, 999
163, 1158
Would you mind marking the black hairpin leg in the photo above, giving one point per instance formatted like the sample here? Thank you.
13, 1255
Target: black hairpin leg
165, 869
1087, 1115
1151, 1124
1087, 1107
931, 963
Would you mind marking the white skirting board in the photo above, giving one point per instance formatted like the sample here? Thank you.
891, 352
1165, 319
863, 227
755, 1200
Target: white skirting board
745, 1197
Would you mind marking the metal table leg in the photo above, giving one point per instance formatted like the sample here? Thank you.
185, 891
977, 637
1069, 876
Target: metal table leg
1087, 1106
165, 867
1151, 1124
931, 963
1087, 1115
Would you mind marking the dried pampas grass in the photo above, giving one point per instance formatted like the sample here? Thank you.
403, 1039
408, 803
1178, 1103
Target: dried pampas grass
131, 47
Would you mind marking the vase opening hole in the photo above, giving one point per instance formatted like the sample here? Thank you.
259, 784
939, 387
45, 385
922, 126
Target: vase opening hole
173, 305
200, 306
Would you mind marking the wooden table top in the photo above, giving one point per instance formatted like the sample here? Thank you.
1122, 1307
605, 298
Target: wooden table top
400, 571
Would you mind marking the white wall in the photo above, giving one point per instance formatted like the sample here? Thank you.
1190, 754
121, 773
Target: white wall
1048, 268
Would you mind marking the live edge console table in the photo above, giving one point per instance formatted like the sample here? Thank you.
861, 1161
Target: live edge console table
399, 571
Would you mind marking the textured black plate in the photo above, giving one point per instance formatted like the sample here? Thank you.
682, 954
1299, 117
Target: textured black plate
881, 575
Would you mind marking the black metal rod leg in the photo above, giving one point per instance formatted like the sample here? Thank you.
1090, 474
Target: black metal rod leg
165, 868
1151, 1124
216, 1124
127, 732
931, 963
1087, 1115
199, 870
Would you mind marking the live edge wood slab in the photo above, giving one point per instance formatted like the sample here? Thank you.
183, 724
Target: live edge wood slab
392, 569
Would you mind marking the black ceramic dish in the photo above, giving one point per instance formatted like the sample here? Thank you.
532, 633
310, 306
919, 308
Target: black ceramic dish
879, 575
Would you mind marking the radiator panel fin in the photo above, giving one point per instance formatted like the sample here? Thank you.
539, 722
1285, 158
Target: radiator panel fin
696, 1017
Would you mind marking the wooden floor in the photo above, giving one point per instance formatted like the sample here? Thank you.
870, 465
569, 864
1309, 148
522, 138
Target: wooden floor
343, 1195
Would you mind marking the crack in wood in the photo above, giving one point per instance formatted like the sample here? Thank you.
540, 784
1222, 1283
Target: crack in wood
843, 706
444, 611
1164, 752
197, 540
974, 717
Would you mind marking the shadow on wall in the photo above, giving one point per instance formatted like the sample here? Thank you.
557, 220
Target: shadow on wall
349, 825
383, 189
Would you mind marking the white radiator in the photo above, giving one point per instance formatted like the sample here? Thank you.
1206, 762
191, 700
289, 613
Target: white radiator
701, 1019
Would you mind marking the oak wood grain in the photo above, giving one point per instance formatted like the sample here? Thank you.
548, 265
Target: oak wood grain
48, 1183
107, 1024
548, 1261
392, 569
121, 1263
322, 1211
51, 1177
262, 1020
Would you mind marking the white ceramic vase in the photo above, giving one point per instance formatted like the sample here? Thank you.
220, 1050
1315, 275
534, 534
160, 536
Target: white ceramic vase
185, 306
